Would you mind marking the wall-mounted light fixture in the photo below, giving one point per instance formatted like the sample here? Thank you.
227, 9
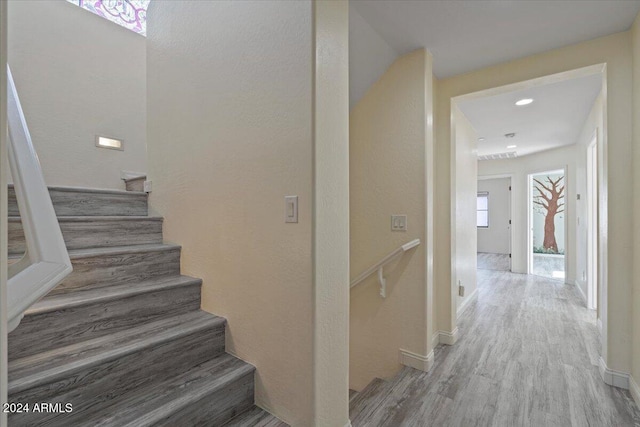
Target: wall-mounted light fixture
110, 143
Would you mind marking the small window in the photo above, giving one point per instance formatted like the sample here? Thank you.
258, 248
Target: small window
483, 210
131, 14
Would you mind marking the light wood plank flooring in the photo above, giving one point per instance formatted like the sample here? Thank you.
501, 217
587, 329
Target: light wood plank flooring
527, 356
487, 261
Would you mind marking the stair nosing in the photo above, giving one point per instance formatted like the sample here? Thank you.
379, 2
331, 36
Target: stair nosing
72, 189
118, 250
203, 390
111, 293
96, 218
99, 251
58, 372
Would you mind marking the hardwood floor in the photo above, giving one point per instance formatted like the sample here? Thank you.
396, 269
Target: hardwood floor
487, 261
527, 356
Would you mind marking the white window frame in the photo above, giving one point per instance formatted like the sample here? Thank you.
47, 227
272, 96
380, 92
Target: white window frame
486, 195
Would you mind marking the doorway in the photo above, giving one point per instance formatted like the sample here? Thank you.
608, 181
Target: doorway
494, 223
547, 224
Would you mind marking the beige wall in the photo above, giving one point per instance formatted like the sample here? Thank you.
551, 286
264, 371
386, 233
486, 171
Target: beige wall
78, 76
635, 368
595, 121
465, 187
331, 218
233, 129
615, 50
520, 168
390, 159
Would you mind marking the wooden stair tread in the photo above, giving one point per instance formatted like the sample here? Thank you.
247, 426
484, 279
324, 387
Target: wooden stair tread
62, 301
372, 394
49, 366
151, 405
121, 250
115, 250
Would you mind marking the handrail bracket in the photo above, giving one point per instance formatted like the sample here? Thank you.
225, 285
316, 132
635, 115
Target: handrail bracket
383, 282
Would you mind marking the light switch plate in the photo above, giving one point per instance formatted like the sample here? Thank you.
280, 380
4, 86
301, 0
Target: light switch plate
291, 209
398, 223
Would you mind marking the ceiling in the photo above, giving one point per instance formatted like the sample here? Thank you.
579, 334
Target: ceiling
554, 119
468, 35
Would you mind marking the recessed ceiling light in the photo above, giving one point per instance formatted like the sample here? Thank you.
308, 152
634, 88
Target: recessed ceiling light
511, 146
481, 139
509, 135
524, 101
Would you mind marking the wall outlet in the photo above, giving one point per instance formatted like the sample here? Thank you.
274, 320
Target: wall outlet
147, 186
460, 288
398, 223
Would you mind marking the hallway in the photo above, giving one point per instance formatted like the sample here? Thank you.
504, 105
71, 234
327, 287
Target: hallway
527, 356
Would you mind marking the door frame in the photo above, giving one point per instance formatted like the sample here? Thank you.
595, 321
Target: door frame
592, 222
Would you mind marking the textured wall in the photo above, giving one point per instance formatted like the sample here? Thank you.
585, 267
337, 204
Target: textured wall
464, 241
79, 75
230, 126
389, 159
331, 219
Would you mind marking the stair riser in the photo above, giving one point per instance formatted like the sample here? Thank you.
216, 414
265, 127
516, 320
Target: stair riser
89, 203
47, 331
229, 402
107, 270
95, 233
94, 387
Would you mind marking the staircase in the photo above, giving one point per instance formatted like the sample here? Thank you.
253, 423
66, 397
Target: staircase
122, 340
378, 403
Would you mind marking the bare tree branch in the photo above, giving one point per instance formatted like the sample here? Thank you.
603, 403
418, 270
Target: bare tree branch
542, 195
543, 186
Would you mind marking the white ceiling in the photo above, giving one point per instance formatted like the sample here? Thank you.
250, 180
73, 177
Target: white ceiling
554, 119
467, 35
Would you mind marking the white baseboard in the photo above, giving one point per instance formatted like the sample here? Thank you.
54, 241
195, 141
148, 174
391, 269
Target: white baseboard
581, 292
448, 338
467, 302
436, 339
634, 388
612, 377
416, 361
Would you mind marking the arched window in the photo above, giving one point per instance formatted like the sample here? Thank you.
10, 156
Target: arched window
131, 14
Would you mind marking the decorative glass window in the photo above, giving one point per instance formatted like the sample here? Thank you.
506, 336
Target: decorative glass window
483, 210
131, 14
